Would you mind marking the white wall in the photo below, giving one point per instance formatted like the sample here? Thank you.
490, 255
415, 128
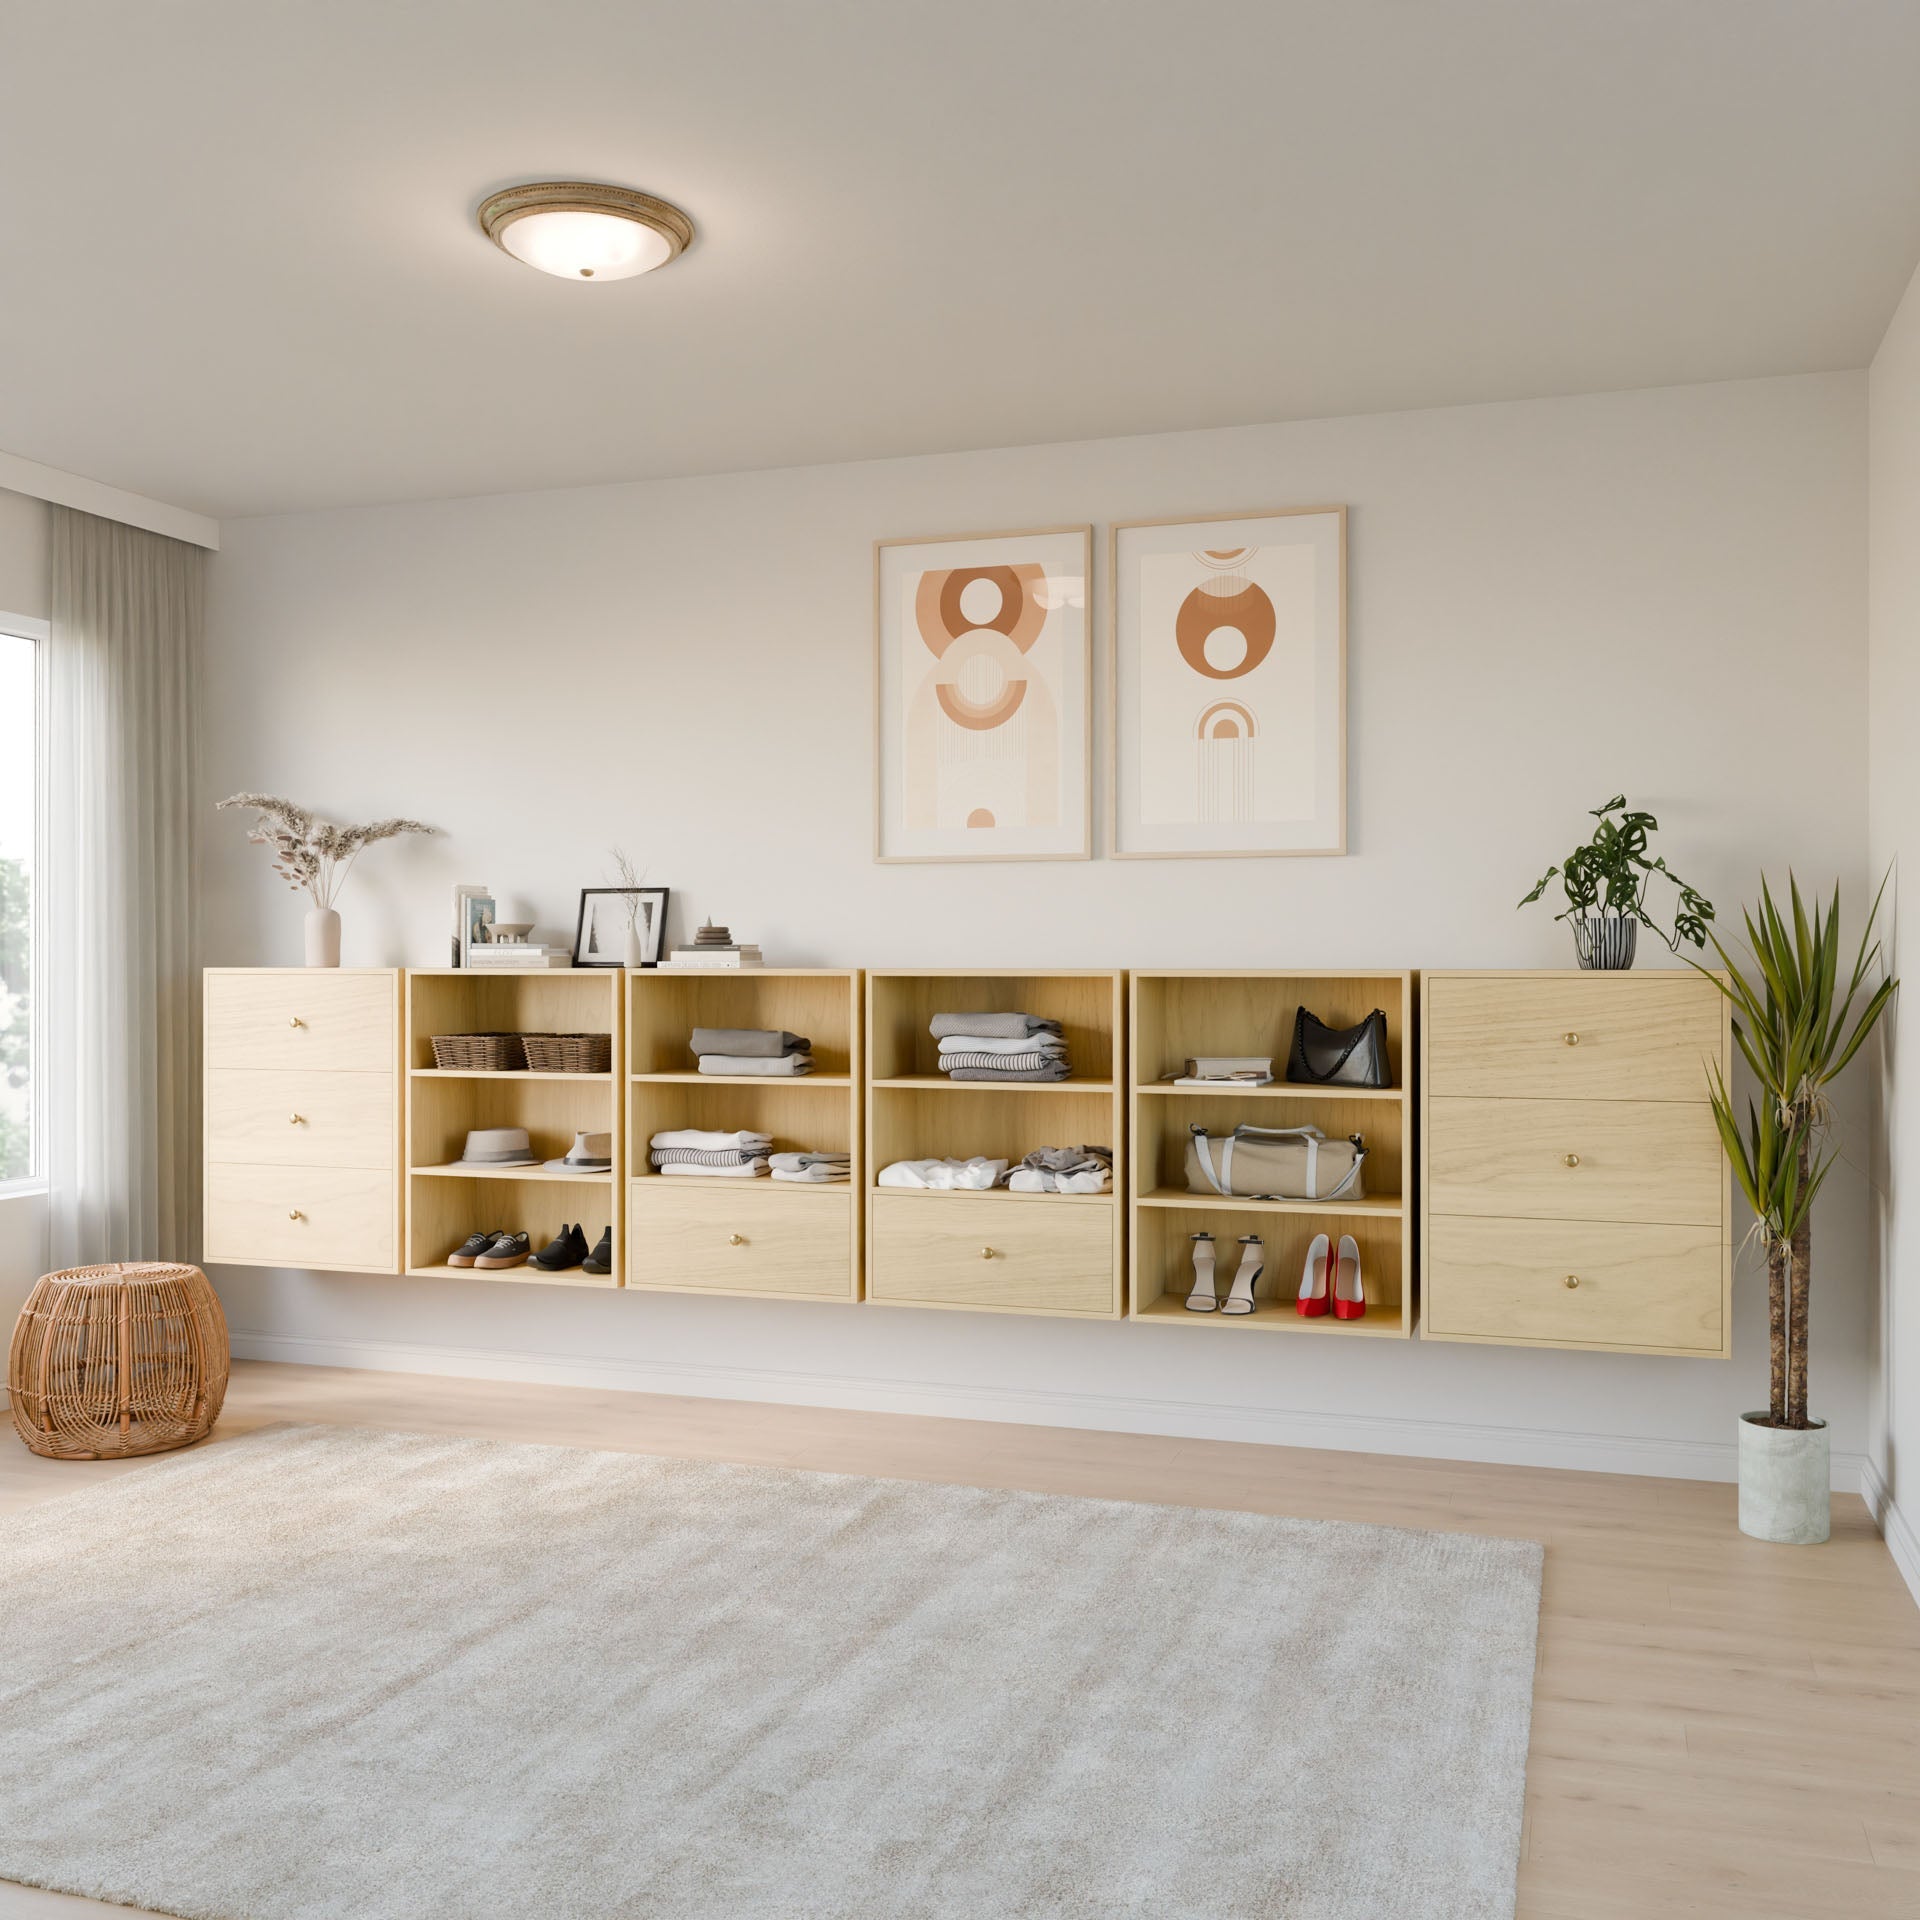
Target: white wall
1893, 601
23, 589
1551, 601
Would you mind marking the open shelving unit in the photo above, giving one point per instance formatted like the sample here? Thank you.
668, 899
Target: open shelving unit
446, 1203
759, 1238
994, 1251
1176, 1014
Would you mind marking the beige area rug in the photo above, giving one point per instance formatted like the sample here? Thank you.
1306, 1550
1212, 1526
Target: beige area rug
327, 1674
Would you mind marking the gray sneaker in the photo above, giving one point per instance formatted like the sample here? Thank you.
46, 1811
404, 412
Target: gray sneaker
474, 1246
507, 1250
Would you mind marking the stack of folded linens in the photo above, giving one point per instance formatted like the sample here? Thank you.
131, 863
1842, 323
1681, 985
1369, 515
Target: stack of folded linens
1064, 1170
739, 1156
811, 1169
1000, 1046
754, 1050
978, 1175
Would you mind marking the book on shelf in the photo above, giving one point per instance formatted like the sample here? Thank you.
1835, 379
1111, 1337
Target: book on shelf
1229, 1066
509, 958
718, 958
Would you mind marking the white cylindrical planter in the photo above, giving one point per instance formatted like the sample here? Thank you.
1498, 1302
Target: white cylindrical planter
1784, 1482
323, 937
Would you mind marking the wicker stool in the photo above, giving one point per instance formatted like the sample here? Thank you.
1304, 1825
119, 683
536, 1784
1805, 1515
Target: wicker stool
109, 1361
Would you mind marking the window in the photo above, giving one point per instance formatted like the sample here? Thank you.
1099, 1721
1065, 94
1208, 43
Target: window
20, 733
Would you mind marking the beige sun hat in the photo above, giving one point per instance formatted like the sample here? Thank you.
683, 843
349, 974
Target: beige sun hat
498, 1147
590, 1153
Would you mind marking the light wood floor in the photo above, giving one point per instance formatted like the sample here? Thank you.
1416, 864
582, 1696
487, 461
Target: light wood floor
1720, 1728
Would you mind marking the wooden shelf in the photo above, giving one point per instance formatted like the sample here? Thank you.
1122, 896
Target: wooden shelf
498, 1073
452, 1172
944, 1083
1388, 1206
1279, 1090
1274, 1316
526, 1273
743, 1079
1179, 1014
760, 1183
997, 1193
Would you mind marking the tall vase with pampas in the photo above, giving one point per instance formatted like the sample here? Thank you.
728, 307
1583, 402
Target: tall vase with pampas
315, 856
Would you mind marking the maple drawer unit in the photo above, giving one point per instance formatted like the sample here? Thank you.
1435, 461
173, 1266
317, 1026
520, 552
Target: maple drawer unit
1573, 1189
301, 1117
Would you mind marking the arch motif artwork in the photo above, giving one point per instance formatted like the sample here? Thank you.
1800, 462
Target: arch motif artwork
983, 698
1229, 671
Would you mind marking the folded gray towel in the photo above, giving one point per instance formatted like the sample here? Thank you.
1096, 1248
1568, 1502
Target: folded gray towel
763, 1041
1061, 1072
1069, 1159
779, 1064
989, 1026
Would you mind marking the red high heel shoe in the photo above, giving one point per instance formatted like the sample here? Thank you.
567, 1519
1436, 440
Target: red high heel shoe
1312, 1300
1349, 1290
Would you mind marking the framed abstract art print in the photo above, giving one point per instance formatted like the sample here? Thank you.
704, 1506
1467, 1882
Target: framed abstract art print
1228, 685
982, 697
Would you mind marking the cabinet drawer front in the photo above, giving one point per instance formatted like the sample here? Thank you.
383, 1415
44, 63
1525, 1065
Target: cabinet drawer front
284, 1117
1645, 1160
1638, 1286
320, 1217
1049, 1255
342, 1022
706, 1236
1602, 1037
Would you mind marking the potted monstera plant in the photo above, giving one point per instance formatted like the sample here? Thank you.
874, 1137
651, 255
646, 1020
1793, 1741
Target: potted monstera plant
1606, 882
1798, 1020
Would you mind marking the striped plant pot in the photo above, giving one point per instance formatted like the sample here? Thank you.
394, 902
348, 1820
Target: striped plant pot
1605, 941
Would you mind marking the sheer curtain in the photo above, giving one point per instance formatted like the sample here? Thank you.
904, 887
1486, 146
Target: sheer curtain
122, 1003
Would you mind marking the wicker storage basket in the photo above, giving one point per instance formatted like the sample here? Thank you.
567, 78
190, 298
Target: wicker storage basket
480, 1052
115, 1360
569, 1052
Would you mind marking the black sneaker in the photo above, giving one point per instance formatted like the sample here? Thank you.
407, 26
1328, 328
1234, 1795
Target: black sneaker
567, 1248
472, 1248
600, 1260
506, 1250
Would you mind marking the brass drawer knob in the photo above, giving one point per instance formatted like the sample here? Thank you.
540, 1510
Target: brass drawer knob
736, 1239
1571, 1160
294, 1213
987, 1253
1572, 1039
1573, 1279
296, 1021
296, 1120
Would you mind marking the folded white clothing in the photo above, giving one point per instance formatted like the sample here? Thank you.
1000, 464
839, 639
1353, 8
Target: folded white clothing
747, 1170
1038, 1180
1037, 1043
705, 1137
975, 1175
813, 1176
704, 1156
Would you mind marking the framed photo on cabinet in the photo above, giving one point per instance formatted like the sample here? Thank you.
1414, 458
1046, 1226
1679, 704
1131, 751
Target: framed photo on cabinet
1227, 685
982, 694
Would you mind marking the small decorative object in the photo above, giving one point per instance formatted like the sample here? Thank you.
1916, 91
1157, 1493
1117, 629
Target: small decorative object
1324, 1056
1606, 883
623, 926
511, 933
1228, 670
715, 947
315, 856
982, 703
117, 1360
1795, 1023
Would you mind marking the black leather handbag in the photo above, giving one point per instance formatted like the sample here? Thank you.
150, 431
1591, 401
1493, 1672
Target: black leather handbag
1324, 1056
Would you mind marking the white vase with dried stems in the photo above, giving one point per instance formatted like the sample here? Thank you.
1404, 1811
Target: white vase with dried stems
315, 856
630, 879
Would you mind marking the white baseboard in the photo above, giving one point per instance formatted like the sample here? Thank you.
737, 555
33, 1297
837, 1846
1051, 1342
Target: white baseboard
1106, 1413
1903, 1540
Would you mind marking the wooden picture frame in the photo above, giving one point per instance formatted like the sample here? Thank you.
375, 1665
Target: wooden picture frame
589, 921
1226, 767
1042, 646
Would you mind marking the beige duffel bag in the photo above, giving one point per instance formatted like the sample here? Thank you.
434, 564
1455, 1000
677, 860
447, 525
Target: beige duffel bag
1276, 1163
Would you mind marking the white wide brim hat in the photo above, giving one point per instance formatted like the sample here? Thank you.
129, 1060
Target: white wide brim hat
590, 1153
498, 1147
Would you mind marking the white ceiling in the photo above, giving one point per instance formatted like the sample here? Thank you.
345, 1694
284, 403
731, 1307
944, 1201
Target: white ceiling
239, 269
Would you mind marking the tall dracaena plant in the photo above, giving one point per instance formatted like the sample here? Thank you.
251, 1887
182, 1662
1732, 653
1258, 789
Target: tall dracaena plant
1797, 1026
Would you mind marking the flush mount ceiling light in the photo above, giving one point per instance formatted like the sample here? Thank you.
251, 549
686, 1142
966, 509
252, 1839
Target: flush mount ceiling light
580, 230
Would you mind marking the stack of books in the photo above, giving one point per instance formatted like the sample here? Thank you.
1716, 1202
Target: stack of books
1227, 1070
715, 947
511, 956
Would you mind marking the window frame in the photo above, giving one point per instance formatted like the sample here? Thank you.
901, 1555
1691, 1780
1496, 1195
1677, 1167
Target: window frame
24, 626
